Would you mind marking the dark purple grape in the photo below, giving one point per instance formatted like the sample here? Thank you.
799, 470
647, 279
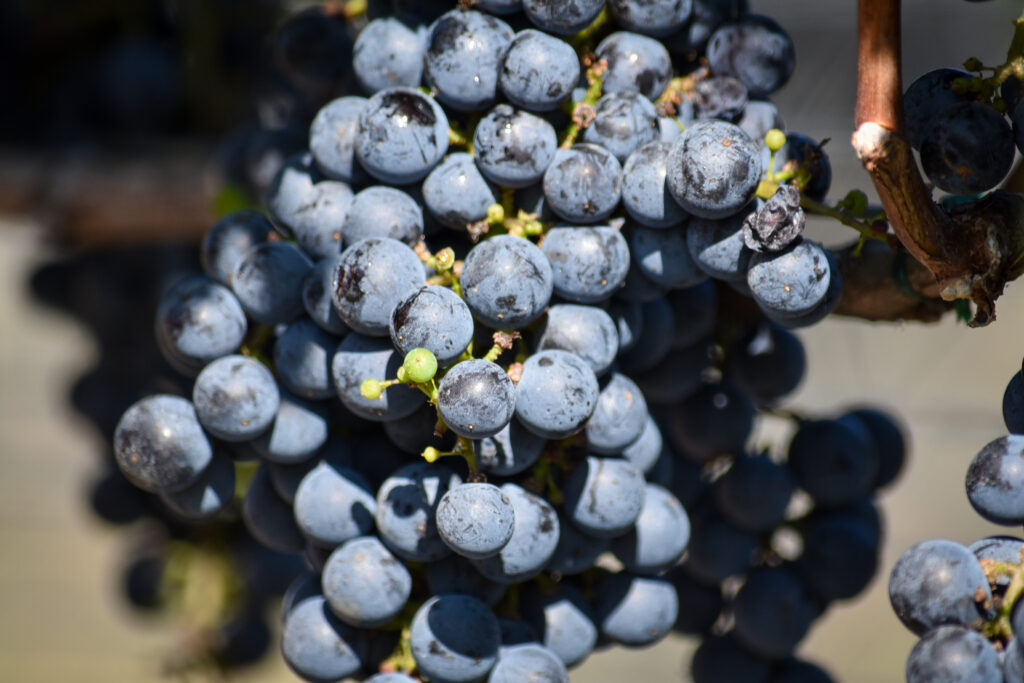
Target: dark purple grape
754, 49
635, 63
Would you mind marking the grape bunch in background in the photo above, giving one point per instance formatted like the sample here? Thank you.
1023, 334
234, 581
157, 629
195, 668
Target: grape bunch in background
493, 360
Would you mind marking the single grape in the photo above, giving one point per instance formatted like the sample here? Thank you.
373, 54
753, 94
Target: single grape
564, 621
476, 398
402, 135
506, 282
389, 52
359, 358
475, 520
938, 582
333, 504
556, 394
623, 121
840, 557
635, 610
720, 97
645, 193
406, 504
298, 430
619, 417
754, 493
717, 246
198, 321
889, 443
927, 98
464, 53
236, 398
664, 257
434, 318
768, 362
792, 283
773, 613
701, 604
209, 495
969, 149
373, 276
268, 282
302, 359
529, 662
512, 450
226, 242
159, 444
995, 478
754, 49
317, 646
695, 310
317, 219
835, 461
651, 18
658, 537
713, 169
562, 18
604, 496
364, 584
455, 638
317, 299
654, 342
588, 264
717, 551
513, 147
636, 63
382, 211
576, 551
954, 654
533, 542
586, 331
721, 658
456, 193
583, 183
539, 71
759, 117
269, 518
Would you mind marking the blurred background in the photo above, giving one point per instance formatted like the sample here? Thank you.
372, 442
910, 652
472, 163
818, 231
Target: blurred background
126, 125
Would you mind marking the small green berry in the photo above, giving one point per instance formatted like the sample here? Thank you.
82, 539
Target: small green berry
431, 454
445, 259
495, 214
775, 139
371, 388
420, 366
856, 202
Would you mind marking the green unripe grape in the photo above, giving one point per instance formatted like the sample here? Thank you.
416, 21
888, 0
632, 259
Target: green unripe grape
775, 139
856, 202
445, 259
420, 365
495, 214
371, 388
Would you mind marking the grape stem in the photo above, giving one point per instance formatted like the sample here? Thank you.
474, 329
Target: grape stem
971, 253
583, 112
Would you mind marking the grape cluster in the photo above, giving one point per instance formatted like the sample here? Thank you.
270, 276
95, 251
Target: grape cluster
964, 602
959, 124
499, 345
